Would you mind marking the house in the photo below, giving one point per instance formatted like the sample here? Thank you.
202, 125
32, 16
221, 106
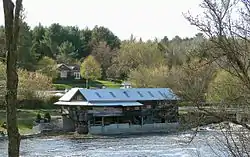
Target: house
69, 71
126, 85
111, 111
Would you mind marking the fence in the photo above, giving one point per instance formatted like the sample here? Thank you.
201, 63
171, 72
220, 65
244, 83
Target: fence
126, 128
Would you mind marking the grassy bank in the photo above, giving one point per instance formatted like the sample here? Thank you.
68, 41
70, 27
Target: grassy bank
61, 85
26, 118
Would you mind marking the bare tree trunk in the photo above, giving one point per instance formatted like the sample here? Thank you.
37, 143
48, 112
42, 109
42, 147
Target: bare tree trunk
11, 34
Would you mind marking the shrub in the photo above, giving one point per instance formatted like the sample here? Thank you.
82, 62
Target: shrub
47, 117
61, 86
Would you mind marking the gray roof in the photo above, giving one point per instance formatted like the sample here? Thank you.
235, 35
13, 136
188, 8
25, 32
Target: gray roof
82, 103
130, 94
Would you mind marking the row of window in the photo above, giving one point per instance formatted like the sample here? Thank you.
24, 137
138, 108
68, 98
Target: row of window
125, 93
64, 74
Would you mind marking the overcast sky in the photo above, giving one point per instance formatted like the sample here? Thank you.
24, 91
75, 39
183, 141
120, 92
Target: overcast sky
143, 18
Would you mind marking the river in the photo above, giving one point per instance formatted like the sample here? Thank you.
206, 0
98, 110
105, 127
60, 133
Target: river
171, 145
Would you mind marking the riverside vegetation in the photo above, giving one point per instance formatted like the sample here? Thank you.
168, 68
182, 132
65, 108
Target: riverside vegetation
211, 67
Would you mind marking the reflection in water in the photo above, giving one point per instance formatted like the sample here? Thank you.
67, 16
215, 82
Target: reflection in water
131, 146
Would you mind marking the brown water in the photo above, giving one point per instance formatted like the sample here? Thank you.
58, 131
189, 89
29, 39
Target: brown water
131, 146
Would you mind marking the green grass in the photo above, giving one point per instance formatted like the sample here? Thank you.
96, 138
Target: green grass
26, 118
92, 84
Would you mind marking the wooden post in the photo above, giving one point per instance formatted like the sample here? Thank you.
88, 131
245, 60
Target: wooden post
102, 124
102, 121
141, 121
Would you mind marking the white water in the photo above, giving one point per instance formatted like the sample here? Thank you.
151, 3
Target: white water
172, 145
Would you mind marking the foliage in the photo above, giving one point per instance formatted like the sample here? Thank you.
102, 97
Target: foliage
66, 52
131, 55
61, 86
26, 58
149, 77
30, 83
100, 34
191, 81
91, 69
26, 118
227, 88
104, 55
48, 67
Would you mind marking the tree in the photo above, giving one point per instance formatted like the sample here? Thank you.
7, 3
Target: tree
149, 77
12, 24
31, 83
102, 34
227, 88
131, 55
104, 55
226, 24
228, 39
48, 67
91, 69
66, 52
26, 58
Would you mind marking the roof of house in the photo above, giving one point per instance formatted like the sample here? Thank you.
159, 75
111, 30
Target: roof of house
81, 103
130, 94
70, 66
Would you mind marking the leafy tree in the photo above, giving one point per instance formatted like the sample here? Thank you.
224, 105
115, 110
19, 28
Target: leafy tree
86, 44
131, 55
90, 68
37, 37
104, 34
38, 33
227, 88
104, 55
48, 67
26, 58
226, 24
149, 77
31, 83
191, 81
66, 52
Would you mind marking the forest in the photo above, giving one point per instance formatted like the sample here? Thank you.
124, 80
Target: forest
153, 63
210, 67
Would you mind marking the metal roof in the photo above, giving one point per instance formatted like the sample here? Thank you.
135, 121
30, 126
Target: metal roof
117, 104
128, 94
74, 103
68, 96
84, 103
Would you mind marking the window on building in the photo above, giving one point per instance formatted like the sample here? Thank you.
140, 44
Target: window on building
78, 97
113, 95
148, 106
140, 94
64, 74
98, 94
77, 75
150, 94
125, 93
137, 108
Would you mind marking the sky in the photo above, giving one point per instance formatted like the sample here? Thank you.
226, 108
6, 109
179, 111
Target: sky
147, 19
